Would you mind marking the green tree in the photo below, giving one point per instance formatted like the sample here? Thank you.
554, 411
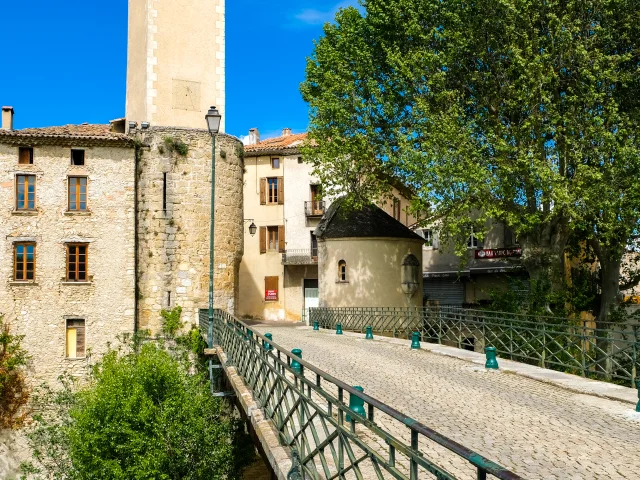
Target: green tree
520, 111
14, 392
142, 416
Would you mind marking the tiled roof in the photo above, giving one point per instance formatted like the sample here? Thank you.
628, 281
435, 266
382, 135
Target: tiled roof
288, 142
91, 133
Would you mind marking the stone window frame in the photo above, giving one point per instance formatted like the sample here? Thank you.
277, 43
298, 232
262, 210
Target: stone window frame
275, 163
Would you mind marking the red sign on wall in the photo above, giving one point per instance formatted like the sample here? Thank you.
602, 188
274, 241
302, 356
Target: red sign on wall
271, 295
498, 253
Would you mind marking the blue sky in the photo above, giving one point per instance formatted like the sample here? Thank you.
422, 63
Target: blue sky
65, 62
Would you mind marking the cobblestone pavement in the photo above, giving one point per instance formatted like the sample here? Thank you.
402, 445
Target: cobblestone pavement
537, 430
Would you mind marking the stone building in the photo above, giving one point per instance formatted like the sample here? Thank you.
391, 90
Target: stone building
67, 257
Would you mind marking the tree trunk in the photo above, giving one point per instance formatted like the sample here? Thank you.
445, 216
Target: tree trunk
609, 283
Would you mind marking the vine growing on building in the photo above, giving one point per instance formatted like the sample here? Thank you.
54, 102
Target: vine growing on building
14, 392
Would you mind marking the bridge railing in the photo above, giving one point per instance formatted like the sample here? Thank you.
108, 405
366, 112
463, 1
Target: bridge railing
337, 431
606, 351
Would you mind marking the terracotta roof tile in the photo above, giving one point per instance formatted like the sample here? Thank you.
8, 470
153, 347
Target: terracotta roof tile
292, 142
90, 132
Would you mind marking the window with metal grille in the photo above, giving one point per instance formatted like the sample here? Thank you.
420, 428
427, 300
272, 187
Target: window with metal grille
342, 271
77, 262
77, 194
75, 338
25, 192
24, 265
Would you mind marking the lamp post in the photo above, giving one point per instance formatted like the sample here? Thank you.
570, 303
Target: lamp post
213, 118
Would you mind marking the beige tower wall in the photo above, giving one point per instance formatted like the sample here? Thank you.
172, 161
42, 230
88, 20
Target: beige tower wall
176, 61
173, 244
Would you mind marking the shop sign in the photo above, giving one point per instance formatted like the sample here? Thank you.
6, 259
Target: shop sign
271, 295
498, 253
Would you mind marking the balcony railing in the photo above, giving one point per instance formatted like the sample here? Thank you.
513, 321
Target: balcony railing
300, 257
314, 208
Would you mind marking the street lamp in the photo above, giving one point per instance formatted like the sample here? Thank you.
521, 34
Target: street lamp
252, 226
213, 118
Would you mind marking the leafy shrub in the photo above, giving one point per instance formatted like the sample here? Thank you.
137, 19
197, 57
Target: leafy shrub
14, 392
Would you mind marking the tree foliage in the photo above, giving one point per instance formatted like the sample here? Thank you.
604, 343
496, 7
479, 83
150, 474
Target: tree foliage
14, 392
142, 416
526, 112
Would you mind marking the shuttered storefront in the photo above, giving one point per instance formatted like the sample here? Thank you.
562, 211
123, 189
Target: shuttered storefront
443, 291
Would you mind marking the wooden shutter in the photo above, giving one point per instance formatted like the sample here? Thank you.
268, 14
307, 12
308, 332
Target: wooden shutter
281, 238
271, 283
435, 241
80, 341
281, 191
263, 191
263, 239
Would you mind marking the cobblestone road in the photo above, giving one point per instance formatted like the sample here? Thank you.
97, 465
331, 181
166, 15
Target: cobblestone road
538, 430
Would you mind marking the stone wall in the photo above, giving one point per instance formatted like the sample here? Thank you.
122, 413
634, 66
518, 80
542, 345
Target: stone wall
39, 309
173, 242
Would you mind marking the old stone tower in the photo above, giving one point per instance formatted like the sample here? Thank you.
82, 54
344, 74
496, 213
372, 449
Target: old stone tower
176, 58
175, 72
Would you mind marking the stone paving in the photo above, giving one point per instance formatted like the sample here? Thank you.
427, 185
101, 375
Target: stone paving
535, 429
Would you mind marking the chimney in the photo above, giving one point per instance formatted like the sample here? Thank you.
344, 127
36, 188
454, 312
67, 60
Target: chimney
254, 136
7, 118
286, 132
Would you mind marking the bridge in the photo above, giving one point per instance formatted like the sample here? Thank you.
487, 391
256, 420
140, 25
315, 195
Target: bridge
428, 412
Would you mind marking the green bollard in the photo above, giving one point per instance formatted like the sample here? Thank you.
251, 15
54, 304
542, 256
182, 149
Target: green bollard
249, 334
356, 403
415, 341
338, 329
315, 325
295, 365
638, 387
267, 345
369, 335
492, 361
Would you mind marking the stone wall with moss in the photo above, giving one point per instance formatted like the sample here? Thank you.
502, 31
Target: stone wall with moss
174, 191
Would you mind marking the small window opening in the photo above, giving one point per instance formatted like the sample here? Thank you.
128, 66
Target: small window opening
164, 192
342, 271
299, 159
25, 155
169, 298
75, 338
77, 157
275, 163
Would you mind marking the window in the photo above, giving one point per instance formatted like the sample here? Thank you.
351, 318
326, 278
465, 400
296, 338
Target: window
473, 241
271, 289
77, 262
275, 163
77, 157
427, 235
164, 192
272, 239
25, 192
342, 271
299, 160
396, 208
24, 265
75, 338
77, 194
272, 190
25, 155
272, 195
314, 246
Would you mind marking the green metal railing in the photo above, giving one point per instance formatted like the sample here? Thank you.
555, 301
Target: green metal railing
332, 436
606, 351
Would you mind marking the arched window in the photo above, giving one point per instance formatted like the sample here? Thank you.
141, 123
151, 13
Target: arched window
342, 271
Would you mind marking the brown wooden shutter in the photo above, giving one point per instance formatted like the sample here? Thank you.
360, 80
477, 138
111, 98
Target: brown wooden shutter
263, 239
281, 238
281, 191
271, 283
263, 191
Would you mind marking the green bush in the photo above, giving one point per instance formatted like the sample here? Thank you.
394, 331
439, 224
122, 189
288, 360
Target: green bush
14, 393
142, 416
